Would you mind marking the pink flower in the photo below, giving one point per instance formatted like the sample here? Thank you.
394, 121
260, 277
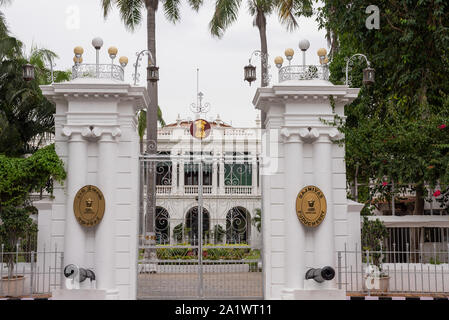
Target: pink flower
437, 193
384, 184
443, 126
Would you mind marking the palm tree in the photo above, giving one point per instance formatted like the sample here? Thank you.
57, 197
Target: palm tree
142, 123
26, 116
226, 12
131, 15
257, 219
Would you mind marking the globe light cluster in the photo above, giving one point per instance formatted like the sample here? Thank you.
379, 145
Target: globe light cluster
97, 43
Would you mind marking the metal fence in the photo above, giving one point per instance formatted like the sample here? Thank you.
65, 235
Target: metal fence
376, 272
212, 272
30, 274
206, 241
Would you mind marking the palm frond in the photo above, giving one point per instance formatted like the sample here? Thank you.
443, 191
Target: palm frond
290, 10
285, 13
106, 5
171, 10
196, 4
10, 47
142, 123
5, 2
160, 117
3, 26
130, 12
226, 13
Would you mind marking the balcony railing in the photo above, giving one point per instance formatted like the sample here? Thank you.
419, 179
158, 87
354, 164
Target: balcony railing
311, 72
100, 71
194, 189
163, 189
243, 190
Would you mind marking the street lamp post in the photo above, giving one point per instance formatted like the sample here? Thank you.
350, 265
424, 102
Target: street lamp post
152, 70
28, 72
250, 70
97, 43
149, 223
368, 72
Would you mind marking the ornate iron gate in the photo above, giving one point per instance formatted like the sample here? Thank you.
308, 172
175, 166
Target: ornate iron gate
207, 241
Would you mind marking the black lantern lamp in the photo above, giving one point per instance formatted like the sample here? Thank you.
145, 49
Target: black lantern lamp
368, 76
153, 73
28, 72
250, 73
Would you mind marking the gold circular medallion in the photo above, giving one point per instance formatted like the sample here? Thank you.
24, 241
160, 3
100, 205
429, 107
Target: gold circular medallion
200, 129
89, 205
311, 206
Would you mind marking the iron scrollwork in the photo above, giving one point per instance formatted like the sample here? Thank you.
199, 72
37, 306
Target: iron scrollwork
101, 71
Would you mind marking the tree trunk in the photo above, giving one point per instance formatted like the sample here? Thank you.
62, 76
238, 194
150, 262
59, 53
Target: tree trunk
419, 201
262, 26
151, 127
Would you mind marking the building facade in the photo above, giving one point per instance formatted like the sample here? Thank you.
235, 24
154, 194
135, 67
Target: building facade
228, 162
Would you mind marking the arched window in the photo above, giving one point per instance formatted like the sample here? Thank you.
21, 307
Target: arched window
192, 225
162, 226
238, 226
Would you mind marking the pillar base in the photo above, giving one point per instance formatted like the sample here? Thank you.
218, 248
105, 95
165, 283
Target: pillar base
79, 294
300, 294
112, 294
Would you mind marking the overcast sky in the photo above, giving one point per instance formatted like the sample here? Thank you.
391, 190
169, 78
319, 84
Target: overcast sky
60, 25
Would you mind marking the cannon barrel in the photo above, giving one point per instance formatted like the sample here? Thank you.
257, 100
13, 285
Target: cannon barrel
320, 274
71, 271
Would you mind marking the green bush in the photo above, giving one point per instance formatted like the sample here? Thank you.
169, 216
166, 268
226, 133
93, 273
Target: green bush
177, 233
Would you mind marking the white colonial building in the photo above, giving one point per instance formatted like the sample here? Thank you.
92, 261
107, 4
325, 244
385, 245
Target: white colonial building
230, 182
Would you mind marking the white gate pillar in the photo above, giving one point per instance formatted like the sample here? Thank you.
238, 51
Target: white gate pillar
300, 109
96, 136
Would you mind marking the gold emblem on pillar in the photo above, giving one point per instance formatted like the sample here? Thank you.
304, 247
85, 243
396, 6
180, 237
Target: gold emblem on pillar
311, 206
88, 206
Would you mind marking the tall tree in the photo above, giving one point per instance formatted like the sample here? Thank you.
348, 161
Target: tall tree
131, 15
399, 118
26, 116
226, 13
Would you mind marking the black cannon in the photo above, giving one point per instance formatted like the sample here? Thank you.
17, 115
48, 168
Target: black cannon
71, 271
321, 274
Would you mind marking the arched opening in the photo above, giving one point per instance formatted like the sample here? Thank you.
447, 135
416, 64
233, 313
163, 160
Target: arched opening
192, 226
238, 226
162, 226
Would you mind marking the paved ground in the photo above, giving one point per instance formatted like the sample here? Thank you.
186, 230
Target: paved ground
243, 285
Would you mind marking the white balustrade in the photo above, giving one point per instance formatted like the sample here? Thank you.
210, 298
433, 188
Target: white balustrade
245, 190
163, 189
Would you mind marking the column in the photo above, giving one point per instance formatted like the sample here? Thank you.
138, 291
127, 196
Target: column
221, 172
181, 177
323, 237
174, 177
254, 175
295, 233
74, 240
214, 176
105, 230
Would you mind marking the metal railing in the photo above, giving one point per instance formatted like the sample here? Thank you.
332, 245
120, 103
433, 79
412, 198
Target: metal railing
30, 274
100, 71
239, 190
308, 72
357, 271
212, 271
